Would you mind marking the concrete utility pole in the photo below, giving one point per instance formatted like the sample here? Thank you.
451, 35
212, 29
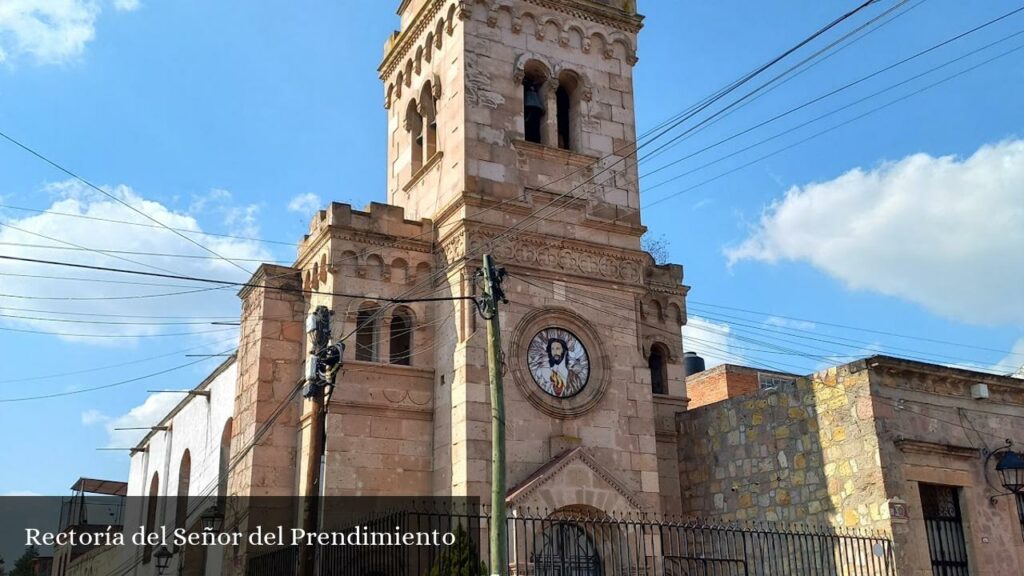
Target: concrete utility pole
489, 309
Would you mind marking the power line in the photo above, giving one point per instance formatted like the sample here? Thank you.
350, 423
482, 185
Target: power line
107, 251
104, 386
80, 247
116, 199
831, 128
232, 283
742, 328
107, 322
77, 335
109, 366
144, 224
104, 315
856, 328
848, 86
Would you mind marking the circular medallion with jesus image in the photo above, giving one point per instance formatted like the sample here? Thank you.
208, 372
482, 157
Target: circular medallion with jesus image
558, 362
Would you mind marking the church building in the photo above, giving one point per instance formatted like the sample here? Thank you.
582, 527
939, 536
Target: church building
511, 132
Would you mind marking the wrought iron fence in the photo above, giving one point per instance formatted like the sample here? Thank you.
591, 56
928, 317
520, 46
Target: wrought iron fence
584, 544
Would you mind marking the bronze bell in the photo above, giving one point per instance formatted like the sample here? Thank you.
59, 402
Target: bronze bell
532, 103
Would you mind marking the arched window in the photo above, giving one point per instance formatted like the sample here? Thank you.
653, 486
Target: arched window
567, 109
401, 337
428, 107
223, 469
658, 363
414, 127
151, 507
366, 333
181, 502
534, 109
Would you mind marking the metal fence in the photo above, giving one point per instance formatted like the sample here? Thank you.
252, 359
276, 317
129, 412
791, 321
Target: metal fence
583, 544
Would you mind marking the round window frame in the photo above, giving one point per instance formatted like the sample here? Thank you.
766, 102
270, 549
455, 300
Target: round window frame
600, 368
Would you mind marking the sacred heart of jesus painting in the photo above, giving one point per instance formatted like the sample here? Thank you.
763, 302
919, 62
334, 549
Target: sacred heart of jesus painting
558, 362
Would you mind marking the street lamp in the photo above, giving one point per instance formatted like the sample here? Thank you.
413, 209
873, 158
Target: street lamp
212, 519
1011, 471
163, 559
1009, 467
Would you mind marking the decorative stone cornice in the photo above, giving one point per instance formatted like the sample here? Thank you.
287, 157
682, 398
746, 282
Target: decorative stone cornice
910, 445
401, 45
382, 240
593, 12
568, 256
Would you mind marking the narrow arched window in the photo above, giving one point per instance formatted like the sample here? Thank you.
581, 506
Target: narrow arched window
428, 106
401, 337
534, 109
224, 466
151, 508
567, 109
181, 501
366, 334
657, 362
414, 128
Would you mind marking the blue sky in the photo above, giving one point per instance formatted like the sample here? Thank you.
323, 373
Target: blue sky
239, 117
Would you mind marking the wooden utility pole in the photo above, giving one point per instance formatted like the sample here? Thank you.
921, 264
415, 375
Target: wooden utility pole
492, 295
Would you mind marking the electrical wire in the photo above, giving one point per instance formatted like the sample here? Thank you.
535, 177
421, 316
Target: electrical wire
104, 386
113, 197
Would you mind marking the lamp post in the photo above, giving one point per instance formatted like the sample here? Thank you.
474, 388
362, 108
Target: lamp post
1011, 471
1009, 468
212, 519
163, 559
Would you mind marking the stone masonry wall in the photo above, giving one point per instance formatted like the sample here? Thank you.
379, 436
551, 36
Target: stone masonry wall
806, 452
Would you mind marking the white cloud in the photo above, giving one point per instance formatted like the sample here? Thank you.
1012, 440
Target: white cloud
710, 340
16, 493
945, 233
90, 297
788, 323
305, 203
50, 31
92, 417
147, 414
1015, 358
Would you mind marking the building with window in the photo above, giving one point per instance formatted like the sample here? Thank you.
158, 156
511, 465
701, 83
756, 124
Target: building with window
881, 443
510, 132
727, 381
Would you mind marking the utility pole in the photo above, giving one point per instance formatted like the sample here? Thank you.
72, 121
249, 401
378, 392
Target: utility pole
322, 366
493, 294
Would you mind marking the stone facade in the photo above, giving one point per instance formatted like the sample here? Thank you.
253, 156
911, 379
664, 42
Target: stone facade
412, 415
849, 447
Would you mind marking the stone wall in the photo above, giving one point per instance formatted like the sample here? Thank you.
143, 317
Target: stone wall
805, 452
850, 447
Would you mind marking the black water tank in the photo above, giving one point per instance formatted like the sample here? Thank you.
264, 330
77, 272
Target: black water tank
692, 364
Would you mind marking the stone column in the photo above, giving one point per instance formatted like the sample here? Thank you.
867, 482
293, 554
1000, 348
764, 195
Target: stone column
549, 130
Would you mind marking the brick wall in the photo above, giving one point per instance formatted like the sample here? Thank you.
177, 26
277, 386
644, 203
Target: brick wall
723, 382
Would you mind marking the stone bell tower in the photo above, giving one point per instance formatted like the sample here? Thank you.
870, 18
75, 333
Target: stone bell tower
510, 131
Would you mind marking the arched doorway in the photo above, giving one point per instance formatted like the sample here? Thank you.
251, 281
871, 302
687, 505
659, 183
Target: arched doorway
565, 549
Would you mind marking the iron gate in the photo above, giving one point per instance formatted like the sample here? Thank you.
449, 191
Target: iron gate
940, 506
